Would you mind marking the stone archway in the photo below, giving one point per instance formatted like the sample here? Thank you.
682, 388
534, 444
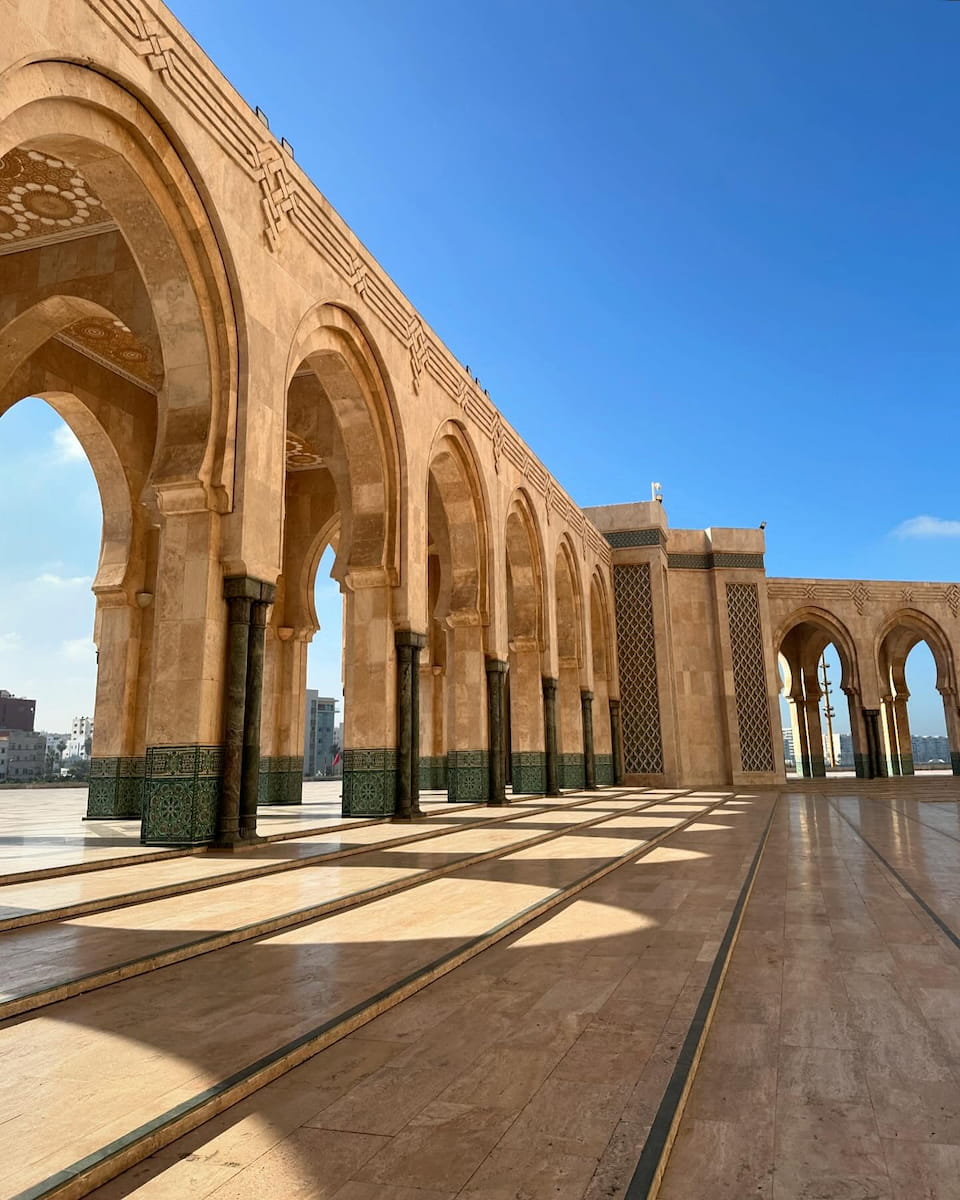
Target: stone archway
527, 638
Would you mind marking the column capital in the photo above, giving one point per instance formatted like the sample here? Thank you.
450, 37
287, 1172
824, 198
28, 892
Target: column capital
586, 695
496, 666
549, 685
409, 640
245, 587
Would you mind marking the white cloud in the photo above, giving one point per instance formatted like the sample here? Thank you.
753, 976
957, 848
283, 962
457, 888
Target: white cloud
927, 527
63, 581
66, 447
78, 649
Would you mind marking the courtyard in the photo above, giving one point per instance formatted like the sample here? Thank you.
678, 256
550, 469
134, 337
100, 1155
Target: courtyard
534, 1001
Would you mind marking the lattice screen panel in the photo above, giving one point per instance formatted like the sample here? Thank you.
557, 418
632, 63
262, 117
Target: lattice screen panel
749, 677
637, 656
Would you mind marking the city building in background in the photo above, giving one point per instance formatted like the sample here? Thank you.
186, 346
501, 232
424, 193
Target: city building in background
24, 754
319, 747
78, 745
930, 748
16, 712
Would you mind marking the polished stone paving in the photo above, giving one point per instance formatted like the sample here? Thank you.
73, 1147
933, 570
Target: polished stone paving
536, 1068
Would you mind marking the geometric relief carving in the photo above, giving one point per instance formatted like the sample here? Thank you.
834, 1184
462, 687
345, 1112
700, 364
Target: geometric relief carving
749, 677
637, 657
369, 782
468, 776
181, 794
44, 198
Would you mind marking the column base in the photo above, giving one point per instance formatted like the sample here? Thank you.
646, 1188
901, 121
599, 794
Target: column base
468, 778
116, 789
528, 770
955, 761
818, 768
369, 782
906, 764
604, 770
181, 795
572, 773
433, 773
281, 779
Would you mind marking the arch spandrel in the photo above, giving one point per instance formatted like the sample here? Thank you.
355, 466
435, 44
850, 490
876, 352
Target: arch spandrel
332, 345
897, 636
88, 121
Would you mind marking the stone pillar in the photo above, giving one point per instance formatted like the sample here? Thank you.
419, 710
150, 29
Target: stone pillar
550, 737
183, 771
816, 761
616, 742
496, 725
901, 725
408, 646
589, 762
875, 765
116, 770
369, 697
528, 766
281, 770
570, 726
801, 745
468, 765
250, 776
951, 713
603, 750
858, 733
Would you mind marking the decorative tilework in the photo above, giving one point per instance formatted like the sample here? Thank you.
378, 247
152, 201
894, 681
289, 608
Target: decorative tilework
604, 770
637, 656
624, 539
433, 772
468, 776
369, 782
572, 773
528, 772
181, 794
749, 679
906, 764
714, 561
281, 779
116, 788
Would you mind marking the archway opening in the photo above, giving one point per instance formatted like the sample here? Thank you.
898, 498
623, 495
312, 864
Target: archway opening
918, 715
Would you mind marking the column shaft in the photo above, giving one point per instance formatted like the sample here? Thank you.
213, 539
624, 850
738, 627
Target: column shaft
408, 647
550, 736
250, 779
589, 761
238, 646
496, 727
616, 741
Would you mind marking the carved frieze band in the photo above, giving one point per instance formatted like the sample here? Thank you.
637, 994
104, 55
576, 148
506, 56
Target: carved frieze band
861, 593
625, 539
717, 560
289, 197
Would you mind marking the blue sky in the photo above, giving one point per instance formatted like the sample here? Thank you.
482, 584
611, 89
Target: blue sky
712, 245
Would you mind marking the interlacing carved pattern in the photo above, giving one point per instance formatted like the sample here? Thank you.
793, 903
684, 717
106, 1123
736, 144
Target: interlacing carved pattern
637, 656
749, 679
288, 198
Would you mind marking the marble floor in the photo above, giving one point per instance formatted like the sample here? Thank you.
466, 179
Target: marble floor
529, 1003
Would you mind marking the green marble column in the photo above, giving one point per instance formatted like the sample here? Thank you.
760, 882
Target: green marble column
496, 723
408, 646
616, 741
240, 592
250, 776
550, 736
589, 761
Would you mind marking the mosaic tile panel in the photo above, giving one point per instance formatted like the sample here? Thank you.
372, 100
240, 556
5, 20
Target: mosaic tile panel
624, 539
116, 788
528, 771
604, 768
181, 795
433, 772
637, 657
468, 776
281, 779
369, 782
749, 677
572, 772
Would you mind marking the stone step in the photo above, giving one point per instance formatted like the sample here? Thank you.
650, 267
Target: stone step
106, 1079
36, 958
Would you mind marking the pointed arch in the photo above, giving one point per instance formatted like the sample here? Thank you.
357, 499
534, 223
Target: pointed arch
806, 633
79, 117
898, 635
341, 357
526, 594
459, 522
568, 590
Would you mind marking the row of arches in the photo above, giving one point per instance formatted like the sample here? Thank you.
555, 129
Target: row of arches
237, 432
873, 677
